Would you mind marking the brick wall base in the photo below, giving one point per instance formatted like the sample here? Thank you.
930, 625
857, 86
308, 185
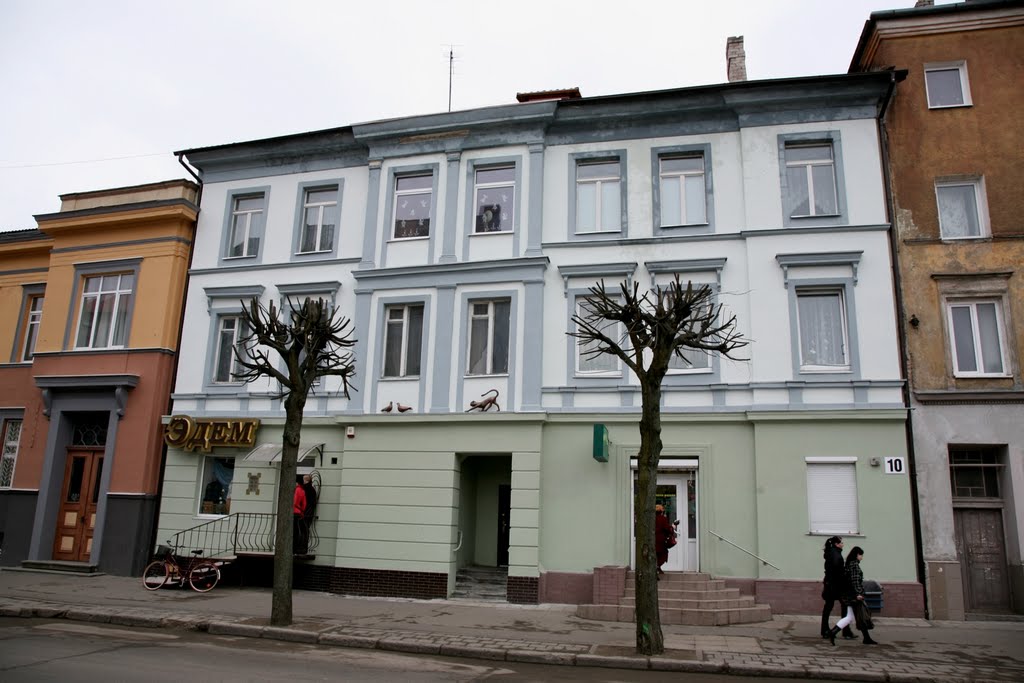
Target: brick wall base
904, 599
522, 590
567, 588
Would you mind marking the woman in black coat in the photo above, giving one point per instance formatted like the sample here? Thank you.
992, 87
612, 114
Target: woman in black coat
855, 593
834, 584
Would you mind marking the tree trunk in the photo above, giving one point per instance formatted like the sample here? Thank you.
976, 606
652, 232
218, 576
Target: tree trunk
284, 555
649, 638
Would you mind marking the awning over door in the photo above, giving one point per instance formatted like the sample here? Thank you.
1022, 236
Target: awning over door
270, 452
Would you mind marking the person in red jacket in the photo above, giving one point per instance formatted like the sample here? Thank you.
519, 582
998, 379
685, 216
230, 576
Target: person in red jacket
298, 521
664, 536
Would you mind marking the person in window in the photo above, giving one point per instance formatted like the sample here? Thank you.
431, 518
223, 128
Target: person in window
299, 525
834, 584
310, 511
664, 536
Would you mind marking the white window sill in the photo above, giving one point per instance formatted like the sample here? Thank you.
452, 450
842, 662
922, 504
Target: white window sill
694, 371
469, 376
598, 375
95, 348
684, 225
980, 375
816, 215
966, 238
819, 370
488, 233
950, 106
409, 239
403, 378
319, 252
239, 258
582, 233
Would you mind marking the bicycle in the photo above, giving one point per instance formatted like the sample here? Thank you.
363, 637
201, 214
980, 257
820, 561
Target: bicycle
202, 574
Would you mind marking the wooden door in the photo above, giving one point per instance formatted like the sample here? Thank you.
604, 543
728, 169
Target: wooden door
504, 513
76, 520
982, 554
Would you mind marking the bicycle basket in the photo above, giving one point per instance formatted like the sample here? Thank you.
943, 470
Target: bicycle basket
163, 550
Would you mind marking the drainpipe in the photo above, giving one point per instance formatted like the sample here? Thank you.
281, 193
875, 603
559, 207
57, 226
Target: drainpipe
177, 353
894, 78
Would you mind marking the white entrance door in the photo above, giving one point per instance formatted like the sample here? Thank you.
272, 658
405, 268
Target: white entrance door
677, 492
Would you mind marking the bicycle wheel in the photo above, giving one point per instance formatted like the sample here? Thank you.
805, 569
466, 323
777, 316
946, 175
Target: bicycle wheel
203, 577
155, 575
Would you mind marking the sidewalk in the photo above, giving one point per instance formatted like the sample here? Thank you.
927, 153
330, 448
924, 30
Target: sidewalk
911, 650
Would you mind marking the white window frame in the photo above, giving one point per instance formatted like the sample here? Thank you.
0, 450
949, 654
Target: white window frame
404, 358
249, 215
428, 192
677, 366
972, 305
980, 206
808, 165
237, 335
965, 84
680, 178
840, 294
122, 309
495, 186
616, 369
489, 348
598, 183
832, 501
324, 208
11, 445
33, 319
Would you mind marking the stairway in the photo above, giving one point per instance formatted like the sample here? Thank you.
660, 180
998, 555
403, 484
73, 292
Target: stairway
486, 584
60, 566
686, 598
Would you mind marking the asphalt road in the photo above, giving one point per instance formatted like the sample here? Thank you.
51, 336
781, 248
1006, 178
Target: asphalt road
49, 650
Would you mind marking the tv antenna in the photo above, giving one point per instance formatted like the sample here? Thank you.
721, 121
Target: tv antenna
451, 72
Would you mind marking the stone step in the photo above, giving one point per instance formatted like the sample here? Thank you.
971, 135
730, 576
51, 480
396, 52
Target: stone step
684, 577
683, 617
728, 603
692, 586
60, 566
481, 583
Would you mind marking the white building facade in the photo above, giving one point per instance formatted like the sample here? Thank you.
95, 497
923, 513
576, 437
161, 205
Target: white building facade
460, 245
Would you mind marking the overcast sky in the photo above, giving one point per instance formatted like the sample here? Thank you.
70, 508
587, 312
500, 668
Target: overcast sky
98, 94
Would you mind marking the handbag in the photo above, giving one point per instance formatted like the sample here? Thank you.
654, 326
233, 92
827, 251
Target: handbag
863, 616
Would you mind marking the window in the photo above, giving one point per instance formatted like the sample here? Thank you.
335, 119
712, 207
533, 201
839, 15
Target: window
947, 85
495, 199
215, 485
598, 363
103, 320
403, 340
488, 337
960, 209
319, 219
34, 315
832, 496
413, 195
9, 456
231, 330
598, 195
695, 360
821, 326
976, 332
683, 200
811, 180
246, 226
974, 471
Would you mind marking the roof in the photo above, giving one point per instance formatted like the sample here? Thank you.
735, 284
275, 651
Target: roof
923, 12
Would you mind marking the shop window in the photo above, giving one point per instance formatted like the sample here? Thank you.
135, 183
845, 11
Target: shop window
217, 476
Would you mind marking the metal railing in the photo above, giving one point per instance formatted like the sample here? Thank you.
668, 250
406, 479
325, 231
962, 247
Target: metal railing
722, 538
239, 533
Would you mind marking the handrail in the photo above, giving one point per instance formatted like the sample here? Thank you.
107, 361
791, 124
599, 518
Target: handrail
234, 534
722, 538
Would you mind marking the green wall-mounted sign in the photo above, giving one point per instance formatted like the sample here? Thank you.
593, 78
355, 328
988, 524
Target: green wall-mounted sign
601, 443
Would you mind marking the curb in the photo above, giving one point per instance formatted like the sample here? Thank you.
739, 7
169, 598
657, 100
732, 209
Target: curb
215, 625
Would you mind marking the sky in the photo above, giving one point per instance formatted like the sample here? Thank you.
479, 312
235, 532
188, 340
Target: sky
99, 94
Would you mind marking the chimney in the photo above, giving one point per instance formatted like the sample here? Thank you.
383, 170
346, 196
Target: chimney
924, 3
736, 59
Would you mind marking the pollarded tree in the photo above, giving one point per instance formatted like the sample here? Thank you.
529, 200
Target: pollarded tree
645, 332
311, 341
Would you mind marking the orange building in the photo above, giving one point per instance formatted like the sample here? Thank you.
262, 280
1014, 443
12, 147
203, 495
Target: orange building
94, 303
956, 166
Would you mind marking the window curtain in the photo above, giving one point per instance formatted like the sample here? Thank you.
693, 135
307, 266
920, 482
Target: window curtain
821, 330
